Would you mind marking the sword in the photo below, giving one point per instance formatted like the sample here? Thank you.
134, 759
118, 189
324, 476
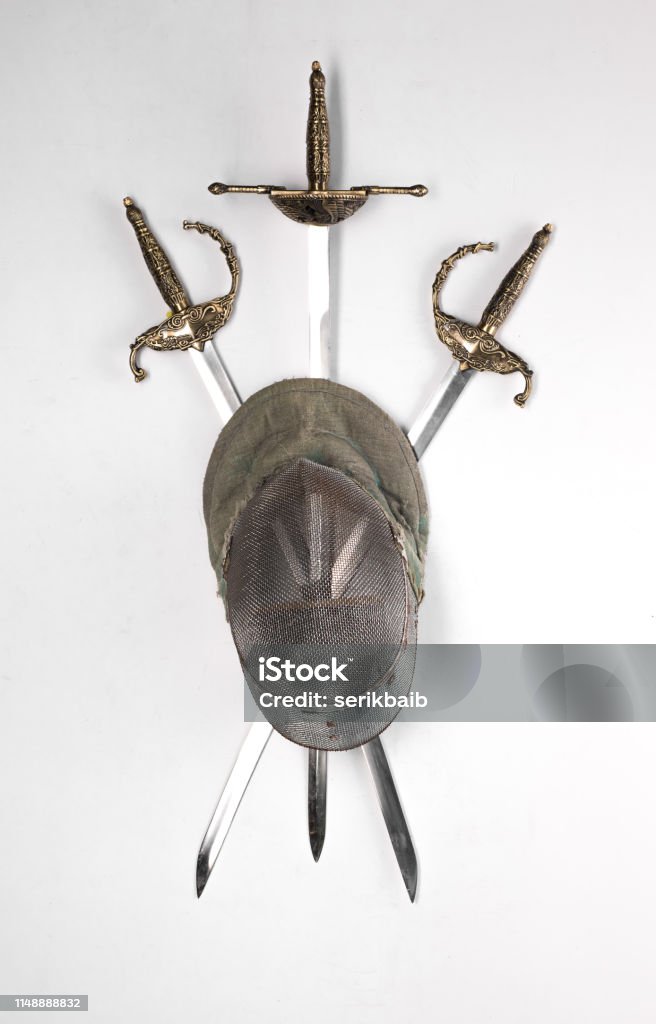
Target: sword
318, 251
320, 365
318, 207
475, 348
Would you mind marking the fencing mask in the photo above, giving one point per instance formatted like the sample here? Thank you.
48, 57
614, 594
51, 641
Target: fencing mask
317, 526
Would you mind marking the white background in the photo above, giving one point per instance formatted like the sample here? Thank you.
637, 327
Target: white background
121, 707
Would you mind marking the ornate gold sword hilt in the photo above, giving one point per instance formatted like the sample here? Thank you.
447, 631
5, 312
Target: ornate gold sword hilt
187, 325
476, 347
318, 204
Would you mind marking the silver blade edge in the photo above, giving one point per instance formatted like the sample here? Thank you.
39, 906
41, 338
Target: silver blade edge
320, 357
318, 241
215, 377
392, 813
317, 792
438, 407
251, 750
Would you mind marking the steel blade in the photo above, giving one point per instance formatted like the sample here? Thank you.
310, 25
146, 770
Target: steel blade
437, 408
317, 789
319, 366
216, 379
392, 813
319, 300
247, 759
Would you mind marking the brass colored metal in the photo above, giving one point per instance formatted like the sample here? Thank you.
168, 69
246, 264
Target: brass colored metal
317, 139
321, 209
511, 287
475, 347
156, 259
219, 189
392, 190
318, 204
187, 326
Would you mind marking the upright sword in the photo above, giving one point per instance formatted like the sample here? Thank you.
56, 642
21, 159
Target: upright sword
318, 207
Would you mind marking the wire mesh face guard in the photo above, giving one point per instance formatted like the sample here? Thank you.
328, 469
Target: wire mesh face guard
317, 524
314, 572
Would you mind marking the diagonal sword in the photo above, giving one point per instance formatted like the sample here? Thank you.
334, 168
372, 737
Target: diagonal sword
475, 348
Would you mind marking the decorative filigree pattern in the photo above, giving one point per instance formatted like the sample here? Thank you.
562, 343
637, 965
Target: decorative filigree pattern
476, 347
162, 272
318, 204
318, 133
511, 287
187, 326
322, 209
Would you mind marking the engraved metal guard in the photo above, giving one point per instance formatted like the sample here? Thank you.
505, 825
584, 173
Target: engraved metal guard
318, 204
187, 326
475, 347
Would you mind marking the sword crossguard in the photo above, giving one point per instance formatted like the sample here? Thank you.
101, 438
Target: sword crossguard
187, 325
476, 347
318, 204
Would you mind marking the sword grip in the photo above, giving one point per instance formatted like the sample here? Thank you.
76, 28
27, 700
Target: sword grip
163, 274
318, 133
513, 283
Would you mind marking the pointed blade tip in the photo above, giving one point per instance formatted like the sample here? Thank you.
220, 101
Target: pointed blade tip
202, 875
316, 845
410, 877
